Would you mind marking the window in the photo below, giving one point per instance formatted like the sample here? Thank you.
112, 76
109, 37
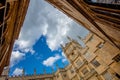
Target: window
64, 75
72, 71
85, 71
100, 45
91, 39
117, 75
58, 76
73, 56
78, 62
107, 76
87, 55
117, 58
95, 63
94, 0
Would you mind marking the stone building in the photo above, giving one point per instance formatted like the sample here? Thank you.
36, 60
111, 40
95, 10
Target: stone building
98, 60
101, 56
61, 74
33, 77
101, 17
12, 14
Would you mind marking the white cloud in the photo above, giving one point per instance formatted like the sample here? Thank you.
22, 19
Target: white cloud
17, 71
58, 35
43, 19
51, 60
49, 22
64, 60
16, 57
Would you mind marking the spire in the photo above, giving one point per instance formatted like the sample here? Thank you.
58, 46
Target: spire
62, 46
52, 70
23, 72
57, 66
44, 70
69, 38
63, 64
80, 38
35, 71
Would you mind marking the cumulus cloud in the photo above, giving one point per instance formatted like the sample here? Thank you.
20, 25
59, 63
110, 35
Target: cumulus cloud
51, 60
43, 19
17, 71
16, 57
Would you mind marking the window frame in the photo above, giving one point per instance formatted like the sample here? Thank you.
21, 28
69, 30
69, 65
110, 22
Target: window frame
95, 63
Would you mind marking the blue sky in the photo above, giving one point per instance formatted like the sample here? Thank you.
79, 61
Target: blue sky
35, 61
38, 46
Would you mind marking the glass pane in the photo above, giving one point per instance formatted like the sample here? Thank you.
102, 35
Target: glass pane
95, 63
107, 76
85, 71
